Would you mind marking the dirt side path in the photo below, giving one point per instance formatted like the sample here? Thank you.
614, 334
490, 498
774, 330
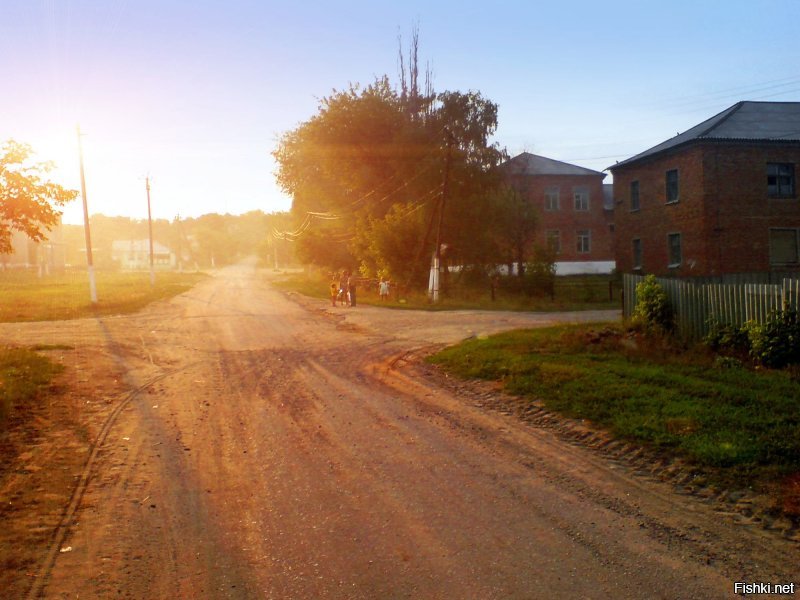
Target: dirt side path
248, 446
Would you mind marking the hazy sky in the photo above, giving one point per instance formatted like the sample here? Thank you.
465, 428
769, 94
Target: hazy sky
196, 93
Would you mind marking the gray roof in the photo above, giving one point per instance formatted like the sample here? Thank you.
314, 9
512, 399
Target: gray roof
533, 164
745, 121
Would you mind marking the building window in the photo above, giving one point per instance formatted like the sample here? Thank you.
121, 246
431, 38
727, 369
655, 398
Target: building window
780, 180
637, 254
551, 201
674, 248
672, 185
581, 197
553, 237
784, 246
634, 195
584, 241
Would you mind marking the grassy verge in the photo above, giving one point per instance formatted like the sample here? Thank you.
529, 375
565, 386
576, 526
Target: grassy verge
739, 423
27, 297
23, 373
571, 293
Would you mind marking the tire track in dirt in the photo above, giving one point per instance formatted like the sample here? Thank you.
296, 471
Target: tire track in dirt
62, 530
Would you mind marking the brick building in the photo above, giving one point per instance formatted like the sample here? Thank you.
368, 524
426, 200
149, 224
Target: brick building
719, 198
574, 217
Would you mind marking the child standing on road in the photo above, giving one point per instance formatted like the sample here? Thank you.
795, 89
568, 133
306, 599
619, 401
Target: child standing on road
334, 292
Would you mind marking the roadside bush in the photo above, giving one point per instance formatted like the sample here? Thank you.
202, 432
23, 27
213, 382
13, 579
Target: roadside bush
538, 278
776, 343
727, 339
653, 309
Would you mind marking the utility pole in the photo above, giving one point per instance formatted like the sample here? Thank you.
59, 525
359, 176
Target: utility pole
180, 245
150, 229
87, 233
434, 280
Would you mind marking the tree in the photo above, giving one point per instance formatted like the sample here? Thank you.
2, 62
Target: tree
389, 247
370, 150
514, 226
27, 200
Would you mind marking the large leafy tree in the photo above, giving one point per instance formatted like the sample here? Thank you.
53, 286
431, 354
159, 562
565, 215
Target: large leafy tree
372, 154
28, 201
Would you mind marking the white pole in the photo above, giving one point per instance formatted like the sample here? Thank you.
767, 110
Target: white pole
86, 232
150, 229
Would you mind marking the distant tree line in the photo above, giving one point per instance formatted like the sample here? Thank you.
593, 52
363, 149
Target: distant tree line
209, 240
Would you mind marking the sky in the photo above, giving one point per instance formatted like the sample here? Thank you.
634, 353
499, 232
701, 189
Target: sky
196, 94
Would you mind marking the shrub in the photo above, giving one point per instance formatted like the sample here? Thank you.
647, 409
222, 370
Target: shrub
653, 308
776, 343
727, 339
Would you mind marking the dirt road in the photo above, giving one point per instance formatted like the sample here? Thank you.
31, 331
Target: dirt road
254, 446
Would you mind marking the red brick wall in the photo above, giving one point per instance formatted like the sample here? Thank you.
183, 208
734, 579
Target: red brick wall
723, 212
567, 220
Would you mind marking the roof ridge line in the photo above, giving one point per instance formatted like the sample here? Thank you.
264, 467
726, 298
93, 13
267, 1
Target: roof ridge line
731, 111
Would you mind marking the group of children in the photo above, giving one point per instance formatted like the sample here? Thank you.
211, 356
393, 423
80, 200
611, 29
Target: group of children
344, 290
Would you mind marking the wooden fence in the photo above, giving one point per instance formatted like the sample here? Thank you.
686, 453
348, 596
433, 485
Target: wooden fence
696, 305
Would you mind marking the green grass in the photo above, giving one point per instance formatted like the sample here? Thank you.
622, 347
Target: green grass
26, 297
23, 373
571, 293
744, 421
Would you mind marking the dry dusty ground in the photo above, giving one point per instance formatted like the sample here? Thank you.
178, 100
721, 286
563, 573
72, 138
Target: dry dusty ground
235, 443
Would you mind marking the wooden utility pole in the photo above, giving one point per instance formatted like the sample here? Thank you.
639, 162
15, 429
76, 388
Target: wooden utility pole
436, 267
150, 229
86, 232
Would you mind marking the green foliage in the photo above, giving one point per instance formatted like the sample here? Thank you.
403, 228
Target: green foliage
27, 297
653, 309
727, 339
195, 241
513, 226
469, 289
730, 417
390, 245
326, 249
373, 155
28, 203
22, 374
776, 343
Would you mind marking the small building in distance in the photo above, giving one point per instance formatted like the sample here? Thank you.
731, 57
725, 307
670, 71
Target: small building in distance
720, 198
575, 219
135, 254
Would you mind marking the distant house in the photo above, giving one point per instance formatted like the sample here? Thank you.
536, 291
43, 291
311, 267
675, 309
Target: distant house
575, 218
135, 254
717, 199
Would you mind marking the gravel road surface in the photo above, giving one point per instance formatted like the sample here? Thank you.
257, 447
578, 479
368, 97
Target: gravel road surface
242, 443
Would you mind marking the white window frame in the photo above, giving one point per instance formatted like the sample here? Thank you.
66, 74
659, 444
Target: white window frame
580, 199
670, 237
637, 253
781, 191
553, 235
552, 200
667, 186
582, 235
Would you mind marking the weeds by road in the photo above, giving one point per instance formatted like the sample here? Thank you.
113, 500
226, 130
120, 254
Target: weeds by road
27, 297
739, 423
589, 292
23, 373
